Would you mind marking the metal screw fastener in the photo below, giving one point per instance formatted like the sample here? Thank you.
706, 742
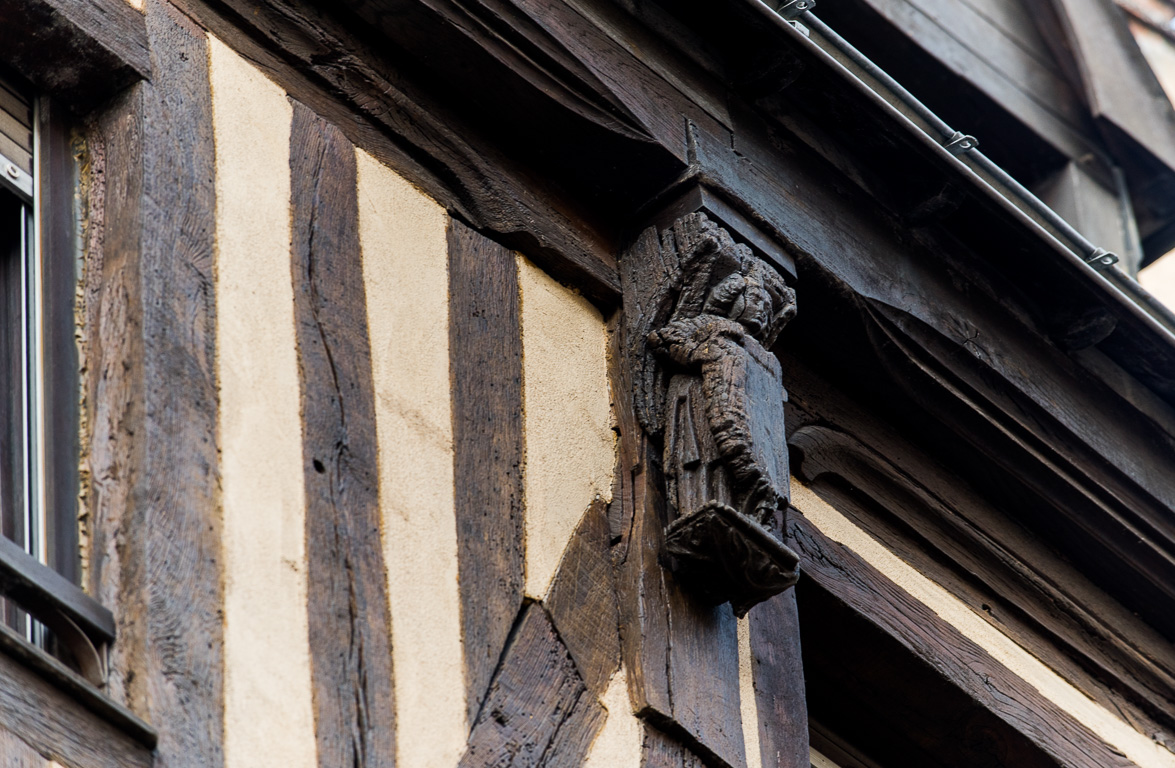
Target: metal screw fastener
790, 9
1101, 258
12, 171
960, 142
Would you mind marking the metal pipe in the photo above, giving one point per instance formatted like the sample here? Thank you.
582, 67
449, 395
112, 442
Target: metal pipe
877, 73
1087, 251
1133, 298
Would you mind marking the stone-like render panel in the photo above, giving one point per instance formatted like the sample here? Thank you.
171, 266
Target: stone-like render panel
405, 270
268, 714
618, 744
746, 693
570, 444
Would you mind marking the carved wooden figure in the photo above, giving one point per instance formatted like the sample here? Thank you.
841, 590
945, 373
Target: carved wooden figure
709, 386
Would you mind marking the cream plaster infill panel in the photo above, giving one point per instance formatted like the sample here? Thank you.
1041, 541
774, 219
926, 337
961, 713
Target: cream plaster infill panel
403, 235
820, 761
567, 420
748, 704
1108, 727
268, 710
618, 744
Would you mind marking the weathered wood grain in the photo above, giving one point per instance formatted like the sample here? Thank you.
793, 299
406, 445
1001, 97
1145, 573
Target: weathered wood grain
538, 712
778, 677
1119, 86
152, 450
12, 522
348, 620
112, 358
57, 723
336, 72
637, 537
18, 754
1012, 579
29, 581
656, 654
582, 601
622, 71
103, 41
1012, 18
59, 248
703, 676
485, 358
681, 657
72, 684
966, 666
1005, 63
16, 125
548, 64
659, 750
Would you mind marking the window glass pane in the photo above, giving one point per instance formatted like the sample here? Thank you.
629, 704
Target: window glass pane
12, 506
14, 522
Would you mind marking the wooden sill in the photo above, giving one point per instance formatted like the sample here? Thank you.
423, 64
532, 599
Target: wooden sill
76, 687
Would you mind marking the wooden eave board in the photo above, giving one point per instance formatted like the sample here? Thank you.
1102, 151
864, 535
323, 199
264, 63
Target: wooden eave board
1014, 70
827, 224
104, 43
1118, 84
1014, 20
956, 532
1035, 254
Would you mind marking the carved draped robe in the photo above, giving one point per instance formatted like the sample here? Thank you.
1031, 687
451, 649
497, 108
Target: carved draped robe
726, 457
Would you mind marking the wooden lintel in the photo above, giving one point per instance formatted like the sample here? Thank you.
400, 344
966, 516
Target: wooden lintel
80, 51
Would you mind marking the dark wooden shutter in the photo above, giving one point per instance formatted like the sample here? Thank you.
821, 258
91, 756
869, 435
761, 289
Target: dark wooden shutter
16, 127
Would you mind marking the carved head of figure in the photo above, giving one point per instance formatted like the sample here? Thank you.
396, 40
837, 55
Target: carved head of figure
753, 295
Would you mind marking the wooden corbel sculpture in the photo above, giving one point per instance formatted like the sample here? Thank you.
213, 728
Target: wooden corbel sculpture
701, 321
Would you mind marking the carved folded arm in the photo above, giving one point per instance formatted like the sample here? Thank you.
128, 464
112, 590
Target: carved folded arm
717, 393
692, 341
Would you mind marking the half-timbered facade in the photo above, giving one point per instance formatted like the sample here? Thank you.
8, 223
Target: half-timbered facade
612, 383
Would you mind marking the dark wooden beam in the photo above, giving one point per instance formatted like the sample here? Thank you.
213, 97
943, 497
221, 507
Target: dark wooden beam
681, 655
73, 686
58, 722
582, 601
485, 349
1022, 720
823, 167
853, 253
80, 51
345, 75
943, 674
59, 254
970, 73
778, 675
1118, 84
659, 750
538, 711
349, 617
978, 549
150, 352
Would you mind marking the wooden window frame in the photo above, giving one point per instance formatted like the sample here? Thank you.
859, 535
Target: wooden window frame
107, 43
39, 556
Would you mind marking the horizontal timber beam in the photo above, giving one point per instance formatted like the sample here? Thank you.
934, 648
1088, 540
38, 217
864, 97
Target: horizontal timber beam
79, 51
